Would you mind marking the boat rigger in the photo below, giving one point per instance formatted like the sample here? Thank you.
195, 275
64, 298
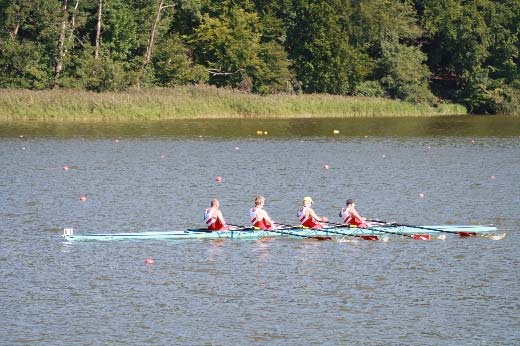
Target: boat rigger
333, 232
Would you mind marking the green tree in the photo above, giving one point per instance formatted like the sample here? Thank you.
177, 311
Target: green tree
319, 48
404, 73
28, 51
230, 46
173, 66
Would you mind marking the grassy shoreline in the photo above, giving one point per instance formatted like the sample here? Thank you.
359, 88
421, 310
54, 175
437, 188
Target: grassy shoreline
198, 103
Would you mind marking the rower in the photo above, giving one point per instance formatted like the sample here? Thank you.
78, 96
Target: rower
307, 216
213, 217
350, 215
259, 217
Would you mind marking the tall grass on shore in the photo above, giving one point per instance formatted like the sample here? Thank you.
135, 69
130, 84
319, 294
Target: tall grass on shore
197, 102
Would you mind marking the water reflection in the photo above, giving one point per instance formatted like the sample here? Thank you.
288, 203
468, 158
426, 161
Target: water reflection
478, 126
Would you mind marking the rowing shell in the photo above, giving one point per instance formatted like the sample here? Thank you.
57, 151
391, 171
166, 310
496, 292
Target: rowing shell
335, 232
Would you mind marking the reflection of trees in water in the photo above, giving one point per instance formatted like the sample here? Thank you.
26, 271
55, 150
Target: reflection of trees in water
279, 128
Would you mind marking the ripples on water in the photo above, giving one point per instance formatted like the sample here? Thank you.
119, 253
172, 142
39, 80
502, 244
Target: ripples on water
453, 292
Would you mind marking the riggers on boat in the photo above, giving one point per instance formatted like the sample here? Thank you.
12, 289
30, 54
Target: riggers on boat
292, 232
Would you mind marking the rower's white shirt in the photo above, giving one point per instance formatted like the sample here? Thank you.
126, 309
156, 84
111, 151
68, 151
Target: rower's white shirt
302, 214
346, 214
209, 219
253, 214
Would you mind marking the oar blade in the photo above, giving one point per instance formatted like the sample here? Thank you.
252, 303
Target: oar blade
369, 237
320, 237
465, 234
420, 236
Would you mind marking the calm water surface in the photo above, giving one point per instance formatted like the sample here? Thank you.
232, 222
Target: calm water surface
287, 292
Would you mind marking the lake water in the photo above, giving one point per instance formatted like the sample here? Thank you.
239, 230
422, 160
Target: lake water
161, 176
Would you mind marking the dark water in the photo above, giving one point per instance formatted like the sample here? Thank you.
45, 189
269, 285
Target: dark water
291, 292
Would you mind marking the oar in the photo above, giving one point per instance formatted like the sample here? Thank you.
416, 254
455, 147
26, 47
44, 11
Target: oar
239, 227
362, 236
460, 233
205, 230
413, 236
289, 227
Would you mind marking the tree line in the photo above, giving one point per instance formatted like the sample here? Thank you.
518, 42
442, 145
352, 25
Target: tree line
421, 51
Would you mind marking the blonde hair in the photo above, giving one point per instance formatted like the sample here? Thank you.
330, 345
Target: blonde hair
259, 199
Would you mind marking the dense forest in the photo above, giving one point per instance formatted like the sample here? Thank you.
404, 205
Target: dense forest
421, 51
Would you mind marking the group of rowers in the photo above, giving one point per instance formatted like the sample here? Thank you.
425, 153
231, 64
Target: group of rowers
306, 215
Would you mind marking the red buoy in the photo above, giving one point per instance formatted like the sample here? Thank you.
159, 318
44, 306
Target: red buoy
218, 179
82, 198
149, 260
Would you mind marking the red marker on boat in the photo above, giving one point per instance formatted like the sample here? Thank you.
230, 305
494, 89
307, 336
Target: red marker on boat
65, 168
326, 166
149, 260
218, 179
82, 198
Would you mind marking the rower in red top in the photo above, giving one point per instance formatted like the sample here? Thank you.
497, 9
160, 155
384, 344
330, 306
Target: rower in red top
307, 216
259, 217
350, 216
213, 217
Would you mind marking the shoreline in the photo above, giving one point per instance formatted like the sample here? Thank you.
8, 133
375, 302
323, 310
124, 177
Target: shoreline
199, 102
